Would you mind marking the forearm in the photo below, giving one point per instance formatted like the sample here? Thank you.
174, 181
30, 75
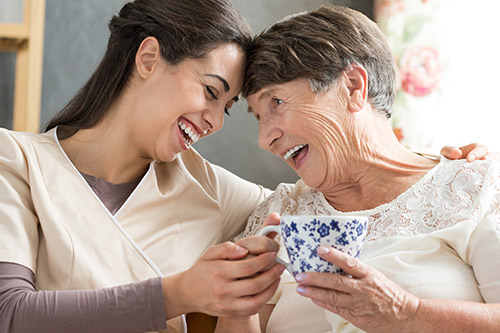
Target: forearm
134, 307
455, 316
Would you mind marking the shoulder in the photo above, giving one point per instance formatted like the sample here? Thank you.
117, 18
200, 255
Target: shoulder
284, 200
477, 181
10, 140
215, 180
464, 173
19, 147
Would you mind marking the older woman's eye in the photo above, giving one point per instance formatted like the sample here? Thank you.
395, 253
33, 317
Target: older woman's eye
277, 101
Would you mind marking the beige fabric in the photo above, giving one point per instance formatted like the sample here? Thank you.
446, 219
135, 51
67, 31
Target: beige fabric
53, 223
439, 239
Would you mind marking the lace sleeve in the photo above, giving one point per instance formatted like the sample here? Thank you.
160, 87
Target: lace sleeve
257, 218
485, 241
281, 201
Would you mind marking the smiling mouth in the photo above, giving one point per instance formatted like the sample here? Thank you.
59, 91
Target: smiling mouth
294, 151
188, 134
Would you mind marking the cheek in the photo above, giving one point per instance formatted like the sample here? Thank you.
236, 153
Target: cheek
327, 134
320, 124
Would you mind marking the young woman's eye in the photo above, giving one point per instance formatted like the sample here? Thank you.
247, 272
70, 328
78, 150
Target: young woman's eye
211, 92
228, 106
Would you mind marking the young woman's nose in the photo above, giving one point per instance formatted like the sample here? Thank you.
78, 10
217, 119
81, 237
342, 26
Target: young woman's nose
215, 118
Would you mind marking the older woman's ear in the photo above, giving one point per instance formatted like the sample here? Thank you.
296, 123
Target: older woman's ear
357, 84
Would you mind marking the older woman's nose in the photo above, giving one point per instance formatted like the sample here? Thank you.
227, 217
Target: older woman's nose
268, 135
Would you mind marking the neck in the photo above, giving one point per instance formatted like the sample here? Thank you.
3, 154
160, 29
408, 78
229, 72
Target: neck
106, 150
379, 171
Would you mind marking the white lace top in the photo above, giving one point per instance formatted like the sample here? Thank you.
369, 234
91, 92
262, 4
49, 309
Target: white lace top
438, 239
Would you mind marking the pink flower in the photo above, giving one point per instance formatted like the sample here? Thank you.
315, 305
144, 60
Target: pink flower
388, 7
420, 71
399, 133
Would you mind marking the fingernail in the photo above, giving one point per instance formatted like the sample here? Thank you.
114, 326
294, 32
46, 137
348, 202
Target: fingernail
300, 277
472, 157
282, 268
273, 255
301, 290
241, 250
323, 250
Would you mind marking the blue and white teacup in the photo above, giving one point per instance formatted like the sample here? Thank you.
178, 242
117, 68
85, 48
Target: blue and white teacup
302, 235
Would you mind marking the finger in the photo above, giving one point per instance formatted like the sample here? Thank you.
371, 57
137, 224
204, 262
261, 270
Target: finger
349, 264
256, 284
272, 219
493, 156
474, 151
248, 267
452, 153
327, 296
331, 281
258, 244
225, 251
248, 305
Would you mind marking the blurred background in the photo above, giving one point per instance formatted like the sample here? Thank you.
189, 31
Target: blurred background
446, 50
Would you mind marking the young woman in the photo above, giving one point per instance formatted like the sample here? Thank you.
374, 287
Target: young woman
104, 216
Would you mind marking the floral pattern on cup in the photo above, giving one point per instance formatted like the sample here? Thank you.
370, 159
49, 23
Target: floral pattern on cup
302, 235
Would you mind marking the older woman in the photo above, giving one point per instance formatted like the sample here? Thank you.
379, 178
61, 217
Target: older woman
321, 85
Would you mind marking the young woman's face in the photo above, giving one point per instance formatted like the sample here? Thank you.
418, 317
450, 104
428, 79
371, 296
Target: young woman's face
186, 102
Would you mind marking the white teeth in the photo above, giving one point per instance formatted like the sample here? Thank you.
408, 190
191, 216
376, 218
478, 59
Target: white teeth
292, 150
190, 132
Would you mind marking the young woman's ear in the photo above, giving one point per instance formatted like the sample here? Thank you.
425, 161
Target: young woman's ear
147, 57
357, 84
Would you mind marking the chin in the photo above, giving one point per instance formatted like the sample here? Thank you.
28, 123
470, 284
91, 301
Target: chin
313, 181
166, 159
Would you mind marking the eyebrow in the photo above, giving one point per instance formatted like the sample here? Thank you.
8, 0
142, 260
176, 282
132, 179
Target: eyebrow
224, 82
267, 93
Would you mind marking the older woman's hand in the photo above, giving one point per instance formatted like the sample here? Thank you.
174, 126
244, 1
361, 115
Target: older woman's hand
471, 152
368, 299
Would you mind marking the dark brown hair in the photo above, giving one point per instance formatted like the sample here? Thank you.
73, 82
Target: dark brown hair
319, 45
184, 29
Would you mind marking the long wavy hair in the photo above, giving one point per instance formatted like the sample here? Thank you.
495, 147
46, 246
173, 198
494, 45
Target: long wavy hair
184, 29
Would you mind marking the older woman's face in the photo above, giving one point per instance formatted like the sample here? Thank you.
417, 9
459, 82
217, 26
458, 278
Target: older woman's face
310, 132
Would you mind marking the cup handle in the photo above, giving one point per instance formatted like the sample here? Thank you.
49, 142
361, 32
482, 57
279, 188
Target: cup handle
276, 228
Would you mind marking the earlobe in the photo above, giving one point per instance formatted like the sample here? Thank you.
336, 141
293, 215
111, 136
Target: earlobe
357, 82
358, 102
147, 56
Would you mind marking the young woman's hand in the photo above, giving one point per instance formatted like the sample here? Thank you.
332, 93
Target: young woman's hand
471, 152
228, 280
